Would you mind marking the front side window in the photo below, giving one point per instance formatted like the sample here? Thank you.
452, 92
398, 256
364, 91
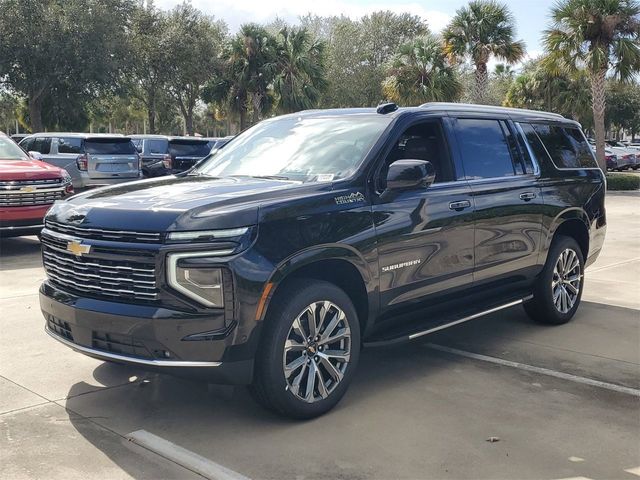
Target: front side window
567, 146
485, 150
42, 145
424, 141
299, 148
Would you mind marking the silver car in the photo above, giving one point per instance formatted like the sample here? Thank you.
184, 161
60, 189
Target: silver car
91, 159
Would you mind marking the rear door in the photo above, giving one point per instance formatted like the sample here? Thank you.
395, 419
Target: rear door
508, 204
111, 157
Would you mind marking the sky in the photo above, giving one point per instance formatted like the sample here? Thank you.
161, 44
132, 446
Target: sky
532, 16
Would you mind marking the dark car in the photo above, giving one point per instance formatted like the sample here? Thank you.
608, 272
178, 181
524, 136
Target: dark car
313, 235
164, 155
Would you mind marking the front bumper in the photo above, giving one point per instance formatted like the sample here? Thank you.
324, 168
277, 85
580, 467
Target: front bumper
150, 337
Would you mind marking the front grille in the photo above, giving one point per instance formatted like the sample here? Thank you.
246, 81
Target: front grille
99, 277
104, 234
21, 193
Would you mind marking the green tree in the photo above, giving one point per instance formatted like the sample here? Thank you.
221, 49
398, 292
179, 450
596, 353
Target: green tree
300, 70
148, 72
74, 46
479, 31
623, 106
194, 44
420, 72
600, 36
8, 111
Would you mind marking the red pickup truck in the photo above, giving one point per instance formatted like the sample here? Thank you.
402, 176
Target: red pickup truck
28, 188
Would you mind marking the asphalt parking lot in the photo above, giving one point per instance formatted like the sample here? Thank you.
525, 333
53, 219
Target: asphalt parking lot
559, 402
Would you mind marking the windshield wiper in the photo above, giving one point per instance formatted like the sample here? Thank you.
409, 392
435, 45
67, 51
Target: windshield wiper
268, 177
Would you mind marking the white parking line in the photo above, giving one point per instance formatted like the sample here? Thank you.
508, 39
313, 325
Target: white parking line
530, 368
186, 458
634, 471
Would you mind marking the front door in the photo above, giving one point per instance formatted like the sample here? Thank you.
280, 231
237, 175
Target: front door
425, 237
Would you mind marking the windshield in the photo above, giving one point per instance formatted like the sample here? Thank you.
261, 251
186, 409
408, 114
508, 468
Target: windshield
111, 146
298, 148
9, 150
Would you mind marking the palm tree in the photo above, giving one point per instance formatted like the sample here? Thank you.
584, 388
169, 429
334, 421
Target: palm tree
600, 36
482, 29
420, 72
300, 70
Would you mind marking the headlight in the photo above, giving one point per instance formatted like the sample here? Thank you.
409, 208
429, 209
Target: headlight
206, 235
203, 284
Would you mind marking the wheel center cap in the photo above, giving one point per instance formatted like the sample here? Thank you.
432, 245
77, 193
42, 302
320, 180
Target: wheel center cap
312, 349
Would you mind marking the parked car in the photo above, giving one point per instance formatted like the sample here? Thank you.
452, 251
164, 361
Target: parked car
91, 159
627, 157
186, 152
610, 157
28, 188
17, 137
154, 154
314, 234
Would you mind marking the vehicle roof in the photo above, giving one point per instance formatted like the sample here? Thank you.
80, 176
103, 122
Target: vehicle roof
443, 107
78, 135
148, 136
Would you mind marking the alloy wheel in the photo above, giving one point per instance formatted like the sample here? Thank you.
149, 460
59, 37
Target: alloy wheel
567, 279
317, 351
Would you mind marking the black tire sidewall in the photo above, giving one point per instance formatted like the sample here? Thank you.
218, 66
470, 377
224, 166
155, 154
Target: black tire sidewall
546, 311
278, 323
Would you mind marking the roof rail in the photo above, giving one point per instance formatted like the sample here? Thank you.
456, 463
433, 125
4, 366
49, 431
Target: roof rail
469, 107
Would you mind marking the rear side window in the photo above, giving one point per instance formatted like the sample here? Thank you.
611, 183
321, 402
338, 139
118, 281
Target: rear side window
188, 149
158, 146
109, 146
566, 145
485, 150
70, 145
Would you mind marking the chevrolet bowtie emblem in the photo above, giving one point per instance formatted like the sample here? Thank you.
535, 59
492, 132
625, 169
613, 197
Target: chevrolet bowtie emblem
28, 189
77, 248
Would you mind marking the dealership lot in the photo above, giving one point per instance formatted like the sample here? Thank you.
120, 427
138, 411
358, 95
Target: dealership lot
560, 402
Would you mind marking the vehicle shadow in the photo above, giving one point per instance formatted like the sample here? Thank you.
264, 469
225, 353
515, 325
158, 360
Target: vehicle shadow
222, 423
17, 253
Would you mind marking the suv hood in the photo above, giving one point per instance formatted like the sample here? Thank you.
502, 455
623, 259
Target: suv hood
176, 203
27, 170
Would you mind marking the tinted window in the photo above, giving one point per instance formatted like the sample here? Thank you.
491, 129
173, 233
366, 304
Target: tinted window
188, 149
42, 145
26, 144
531, 148
424, 141
484, 147
137, 142
566, 146
70, 145
109, 146
158, 146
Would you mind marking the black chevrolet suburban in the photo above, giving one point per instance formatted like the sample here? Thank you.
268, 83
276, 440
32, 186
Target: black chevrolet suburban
310, 236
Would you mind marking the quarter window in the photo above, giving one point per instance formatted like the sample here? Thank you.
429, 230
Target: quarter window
70, 145
566, 146
484, 147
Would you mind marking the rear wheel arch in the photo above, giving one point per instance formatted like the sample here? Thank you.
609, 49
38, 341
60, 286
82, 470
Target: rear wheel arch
575, 227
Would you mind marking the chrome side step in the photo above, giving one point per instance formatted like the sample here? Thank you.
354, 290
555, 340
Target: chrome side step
422, 333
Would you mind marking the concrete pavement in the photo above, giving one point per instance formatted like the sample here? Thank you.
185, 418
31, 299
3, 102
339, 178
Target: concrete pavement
412, 412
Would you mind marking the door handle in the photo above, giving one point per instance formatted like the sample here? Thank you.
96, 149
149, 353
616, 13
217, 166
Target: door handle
459, 206
527, 196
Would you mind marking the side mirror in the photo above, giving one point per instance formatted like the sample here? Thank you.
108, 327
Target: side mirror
410, 175
35, 155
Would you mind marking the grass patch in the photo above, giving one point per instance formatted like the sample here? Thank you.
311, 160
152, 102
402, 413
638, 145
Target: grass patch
623, 181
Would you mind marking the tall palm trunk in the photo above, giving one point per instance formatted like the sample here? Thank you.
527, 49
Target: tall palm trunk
482, 80
598, 104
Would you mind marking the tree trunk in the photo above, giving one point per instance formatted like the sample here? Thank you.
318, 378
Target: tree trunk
35, 113
151, 113
599, 104
188, 121
482, 79
243, 118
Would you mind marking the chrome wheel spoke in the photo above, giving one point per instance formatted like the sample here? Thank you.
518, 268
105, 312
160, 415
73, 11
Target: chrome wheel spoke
565, 284
317, 351
573, 289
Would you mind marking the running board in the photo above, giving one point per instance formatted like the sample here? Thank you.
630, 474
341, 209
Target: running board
421, 333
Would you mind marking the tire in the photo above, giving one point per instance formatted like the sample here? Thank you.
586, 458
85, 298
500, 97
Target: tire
284, 392
555, 300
